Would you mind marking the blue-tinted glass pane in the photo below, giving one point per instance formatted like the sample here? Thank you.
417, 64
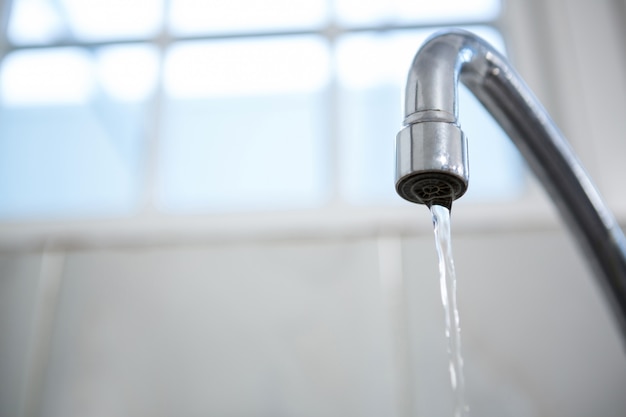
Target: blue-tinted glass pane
218, 16
398, 12
245, 125
44, 21
70, 142
35, 21
372, 71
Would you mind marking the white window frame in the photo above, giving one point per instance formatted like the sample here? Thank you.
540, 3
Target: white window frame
558, 82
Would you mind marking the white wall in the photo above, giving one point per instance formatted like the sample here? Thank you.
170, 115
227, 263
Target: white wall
572, 54
309, 328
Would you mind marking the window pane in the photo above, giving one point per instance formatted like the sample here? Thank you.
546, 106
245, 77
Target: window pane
218, 16
128, 72
44, 21
58, 76
372, 71
70, 143
35, 21
245, 125
376, 12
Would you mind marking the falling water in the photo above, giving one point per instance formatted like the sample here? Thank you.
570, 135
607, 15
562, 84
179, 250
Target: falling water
447, 277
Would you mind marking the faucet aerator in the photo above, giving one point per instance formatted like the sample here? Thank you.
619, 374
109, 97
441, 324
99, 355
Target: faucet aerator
432, 163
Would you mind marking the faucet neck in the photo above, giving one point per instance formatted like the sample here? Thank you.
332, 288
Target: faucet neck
444, 60
432, 157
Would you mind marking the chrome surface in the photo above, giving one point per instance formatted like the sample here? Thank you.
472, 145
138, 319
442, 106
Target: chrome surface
427, 152
432, 149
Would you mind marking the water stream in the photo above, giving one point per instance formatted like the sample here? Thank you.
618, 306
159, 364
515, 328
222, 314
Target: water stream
447, 277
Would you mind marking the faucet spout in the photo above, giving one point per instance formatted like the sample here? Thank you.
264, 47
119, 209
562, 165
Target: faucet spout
431, 150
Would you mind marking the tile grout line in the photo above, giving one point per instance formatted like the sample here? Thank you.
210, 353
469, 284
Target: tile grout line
41, 332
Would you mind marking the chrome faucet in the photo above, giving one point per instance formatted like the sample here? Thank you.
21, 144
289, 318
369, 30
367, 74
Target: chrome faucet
431, 149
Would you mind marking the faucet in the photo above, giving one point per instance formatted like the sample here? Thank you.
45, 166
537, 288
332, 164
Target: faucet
431, 149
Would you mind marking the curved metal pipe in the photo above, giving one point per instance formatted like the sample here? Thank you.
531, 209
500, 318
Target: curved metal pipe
432, 156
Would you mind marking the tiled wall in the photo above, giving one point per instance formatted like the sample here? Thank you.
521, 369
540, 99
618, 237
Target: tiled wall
349, 327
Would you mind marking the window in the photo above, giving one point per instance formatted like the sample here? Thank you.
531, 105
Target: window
117, 109
244, 124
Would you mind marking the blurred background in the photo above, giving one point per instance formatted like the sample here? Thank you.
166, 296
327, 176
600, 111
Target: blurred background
198, 216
